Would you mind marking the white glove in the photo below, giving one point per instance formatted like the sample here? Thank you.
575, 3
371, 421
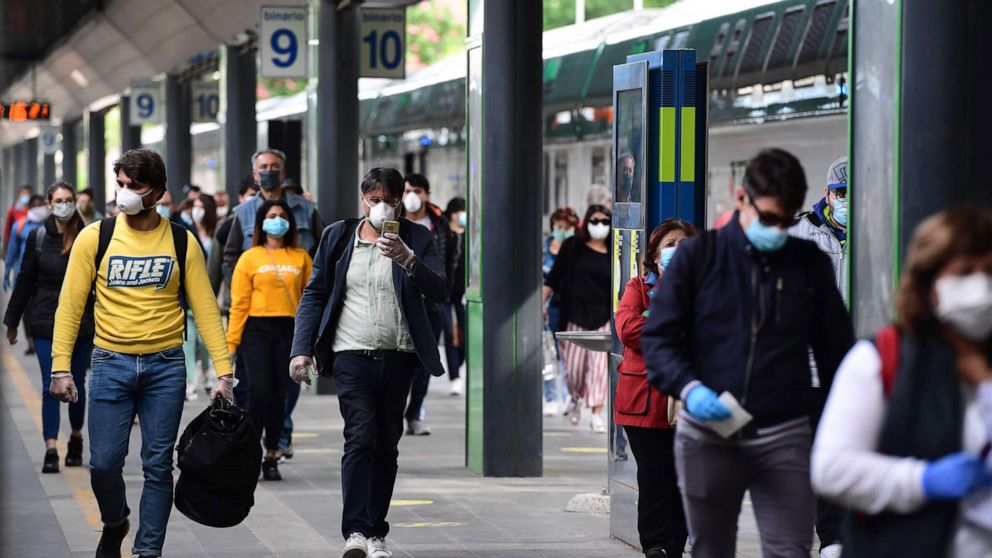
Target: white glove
393, 247
299, 368
224, 388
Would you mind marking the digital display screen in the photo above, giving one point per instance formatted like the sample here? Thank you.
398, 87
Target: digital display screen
630, 169
24, 111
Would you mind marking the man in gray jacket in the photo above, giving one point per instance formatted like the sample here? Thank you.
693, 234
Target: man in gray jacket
826, 226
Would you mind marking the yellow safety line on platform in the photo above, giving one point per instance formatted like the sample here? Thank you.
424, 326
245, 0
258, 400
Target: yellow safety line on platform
405, 503
76, 477
584, 450
305, 435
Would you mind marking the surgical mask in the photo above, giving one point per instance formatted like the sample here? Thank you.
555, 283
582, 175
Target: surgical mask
268, 180
599, 231
38, 214
561, 235
130, 202
627, 183
380, 213
85, 209
185, 218
197, 213
163, 210
276, 227
839, 207
63, 210
666, 257
412, 202
965, 302
23, 200
462, 218
766, 238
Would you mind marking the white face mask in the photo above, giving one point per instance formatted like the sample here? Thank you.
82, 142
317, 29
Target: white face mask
965, 302
380, 213
599, 231
197, 214
38, 214
412, 202
63, 210
130, 202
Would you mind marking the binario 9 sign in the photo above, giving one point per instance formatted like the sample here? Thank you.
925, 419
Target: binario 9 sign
282, 42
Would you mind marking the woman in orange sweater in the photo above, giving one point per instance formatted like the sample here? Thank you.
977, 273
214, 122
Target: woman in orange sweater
266, 287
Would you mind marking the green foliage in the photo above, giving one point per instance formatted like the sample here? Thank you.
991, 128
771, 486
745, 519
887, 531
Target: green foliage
435, 31
558, 13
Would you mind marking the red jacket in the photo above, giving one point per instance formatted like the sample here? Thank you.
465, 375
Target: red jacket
13, 214
637, 403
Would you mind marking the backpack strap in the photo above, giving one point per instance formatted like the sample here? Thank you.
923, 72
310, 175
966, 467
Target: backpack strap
180, 241
106, 234
703, 258
39, 238
887, 343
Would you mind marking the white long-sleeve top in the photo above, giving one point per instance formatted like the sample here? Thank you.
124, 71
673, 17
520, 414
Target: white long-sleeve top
846, 466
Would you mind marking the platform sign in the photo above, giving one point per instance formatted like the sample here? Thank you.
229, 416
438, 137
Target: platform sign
383, 43
282, 43
146, 102
48, 139
206, 101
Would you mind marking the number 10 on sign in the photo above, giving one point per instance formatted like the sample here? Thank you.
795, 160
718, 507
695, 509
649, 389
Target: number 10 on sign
383, 43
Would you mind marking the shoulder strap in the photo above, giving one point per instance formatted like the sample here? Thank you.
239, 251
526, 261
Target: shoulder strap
887, 343
106, 233
703, 258
812, 217
180, 241
39, 238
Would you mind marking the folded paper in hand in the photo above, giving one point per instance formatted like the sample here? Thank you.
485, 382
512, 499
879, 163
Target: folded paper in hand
738, 417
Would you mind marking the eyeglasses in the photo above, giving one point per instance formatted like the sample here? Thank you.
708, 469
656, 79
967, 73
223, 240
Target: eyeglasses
603, 221
376, 200
770, 219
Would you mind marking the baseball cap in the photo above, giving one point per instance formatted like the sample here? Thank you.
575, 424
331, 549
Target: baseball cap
837, 174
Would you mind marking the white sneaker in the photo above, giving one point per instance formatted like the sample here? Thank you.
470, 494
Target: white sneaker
596, 424
457, 386
356, 546
550, 408
573, 411
377, 548
832, 551
191, 394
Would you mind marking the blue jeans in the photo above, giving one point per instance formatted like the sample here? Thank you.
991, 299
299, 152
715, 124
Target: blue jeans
454, 323
292, 396
554, 389
421, 375
153, 387
50, 406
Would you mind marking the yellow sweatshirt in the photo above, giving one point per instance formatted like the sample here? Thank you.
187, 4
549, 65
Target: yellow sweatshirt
257, 291
137, 295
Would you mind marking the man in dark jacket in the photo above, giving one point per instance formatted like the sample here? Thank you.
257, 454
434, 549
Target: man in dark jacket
363, 316
736, 313
420, 210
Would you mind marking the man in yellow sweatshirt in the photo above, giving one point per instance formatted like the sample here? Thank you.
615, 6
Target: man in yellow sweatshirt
138, 364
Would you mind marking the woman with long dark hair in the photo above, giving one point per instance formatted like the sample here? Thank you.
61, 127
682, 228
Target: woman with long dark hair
905, 436
266, 288
581, 276
39, 283
642, 410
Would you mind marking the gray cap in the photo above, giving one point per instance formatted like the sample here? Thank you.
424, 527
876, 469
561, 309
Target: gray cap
837, 174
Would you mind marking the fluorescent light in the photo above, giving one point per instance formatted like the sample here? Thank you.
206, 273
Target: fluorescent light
79, 78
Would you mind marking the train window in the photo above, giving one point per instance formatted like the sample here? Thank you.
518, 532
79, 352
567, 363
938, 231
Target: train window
839, 48
662, 42
680, 39
751, 59
730, 59
816, 31
717, 47
787, 32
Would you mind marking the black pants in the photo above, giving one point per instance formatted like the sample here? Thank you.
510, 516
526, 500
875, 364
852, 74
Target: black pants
454, 323
371, 394
421, 375
660, 518
264, 359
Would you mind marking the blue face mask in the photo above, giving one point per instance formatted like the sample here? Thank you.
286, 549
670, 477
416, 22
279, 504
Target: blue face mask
562, 235
23, 200
766, 238
186, 218
162, 210
666, 256
840, 211
276, 227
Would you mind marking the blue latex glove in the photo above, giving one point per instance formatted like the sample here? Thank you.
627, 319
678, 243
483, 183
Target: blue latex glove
702, 403
954, 477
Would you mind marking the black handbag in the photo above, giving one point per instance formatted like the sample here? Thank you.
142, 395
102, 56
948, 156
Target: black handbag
220, 457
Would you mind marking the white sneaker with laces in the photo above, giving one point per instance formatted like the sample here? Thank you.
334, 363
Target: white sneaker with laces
596, 424
377, 548
356, 546
457, 386
832, 551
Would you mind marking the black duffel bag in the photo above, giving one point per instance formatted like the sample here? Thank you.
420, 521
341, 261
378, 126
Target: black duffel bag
220, 457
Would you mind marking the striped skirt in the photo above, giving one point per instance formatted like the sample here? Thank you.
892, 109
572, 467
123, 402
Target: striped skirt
585, 370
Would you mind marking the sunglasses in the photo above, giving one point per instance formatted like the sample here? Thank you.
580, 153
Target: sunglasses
771, 219
599, 221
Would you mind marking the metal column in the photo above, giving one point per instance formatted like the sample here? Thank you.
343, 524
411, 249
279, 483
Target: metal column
130, 135
505, 302
69, 148
337, 113
95, 158
178, 142
237, 115
47, 170
30, 162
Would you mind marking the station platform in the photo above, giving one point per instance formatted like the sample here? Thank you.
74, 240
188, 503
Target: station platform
440, 508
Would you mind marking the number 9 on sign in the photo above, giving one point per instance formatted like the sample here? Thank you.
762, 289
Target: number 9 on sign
146, 105
285, 44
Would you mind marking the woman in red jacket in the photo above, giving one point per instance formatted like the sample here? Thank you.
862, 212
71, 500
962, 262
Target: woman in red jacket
642, 410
